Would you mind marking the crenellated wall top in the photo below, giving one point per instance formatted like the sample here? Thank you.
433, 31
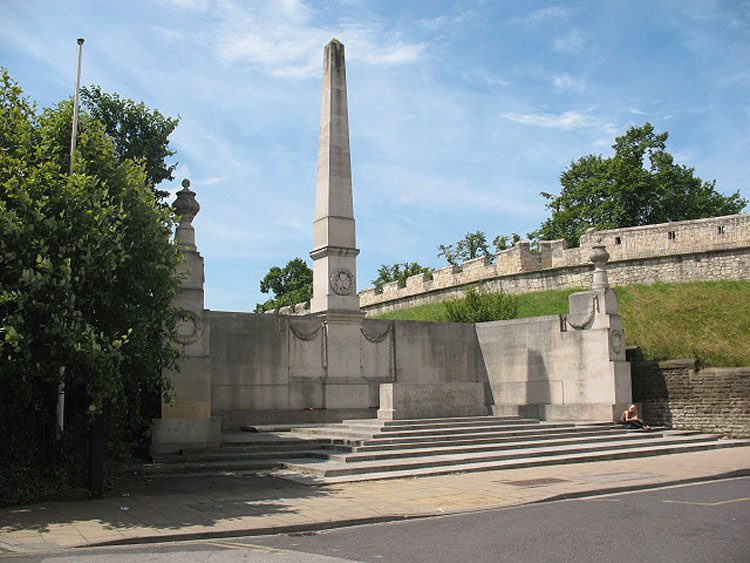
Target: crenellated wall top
631, 243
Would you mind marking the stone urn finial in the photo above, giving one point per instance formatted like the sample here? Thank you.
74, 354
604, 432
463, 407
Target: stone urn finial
599, 256
185, 205
187, 208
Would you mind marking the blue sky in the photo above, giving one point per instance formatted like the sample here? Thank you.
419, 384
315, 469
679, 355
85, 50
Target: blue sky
460, 112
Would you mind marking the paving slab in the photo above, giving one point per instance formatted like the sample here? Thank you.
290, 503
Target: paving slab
234, 504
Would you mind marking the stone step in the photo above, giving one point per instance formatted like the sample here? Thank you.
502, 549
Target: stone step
292, 474
332, 468
470, 448
339, 436
394, 425
308, 470
265, 428
327, 449
232, 454
353, 434
368, 448
261, 445
216, 467
491, 436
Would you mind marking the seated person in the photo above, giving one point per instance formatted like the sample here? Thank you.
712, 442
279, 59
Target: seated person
630, 419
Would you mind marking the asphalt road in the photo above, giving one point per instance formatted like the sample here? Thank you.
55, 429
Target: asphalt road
708, 522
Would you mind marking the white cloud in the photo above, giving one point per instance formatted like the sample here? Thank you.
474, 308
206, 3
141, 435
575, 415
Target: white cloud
191, 5
397, 54
451, 194
293, 10
555, 13
441, 21
571, 42
611, 129
566, 120
565, 81
281, 39
434, 23
211, 181
603, 142
169, 35
477, 75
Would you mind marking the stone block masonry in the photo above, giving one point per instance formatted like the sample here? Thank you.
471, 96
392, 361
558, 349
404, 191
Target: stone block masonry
717, 248
677, 395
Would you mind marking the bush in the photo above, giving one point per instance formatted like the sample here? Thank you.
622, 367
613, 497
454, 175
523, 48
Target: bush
87, 281
479, 305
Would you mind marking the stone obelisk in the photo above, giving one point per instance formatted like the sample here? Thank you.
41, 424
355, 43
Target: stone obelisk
334, 251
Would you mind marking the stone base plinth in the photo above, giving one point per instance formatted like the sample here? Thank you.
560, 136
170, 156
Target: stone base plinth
235, 420
173, 434
400, 401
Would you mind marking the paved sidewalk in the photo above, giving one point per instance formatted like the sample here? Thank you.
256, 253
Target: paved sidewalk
211, 506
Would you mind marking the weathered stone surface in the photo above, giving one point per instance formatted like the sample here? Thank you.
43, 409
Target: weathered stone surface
677, 395
188, 418
535, 364
435, 352
400, 401
173, 434
334, 251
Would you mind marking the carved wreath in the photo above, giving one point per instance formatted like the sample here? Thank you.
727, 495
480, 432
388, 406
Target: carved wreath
188, 328
579, 324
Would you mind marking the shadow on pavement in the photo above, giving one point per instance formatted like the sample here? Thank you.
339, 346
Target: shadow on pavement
167, 503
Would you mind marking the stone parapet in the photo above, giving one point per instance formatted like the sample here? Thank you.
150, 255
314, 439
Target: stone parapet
700, 250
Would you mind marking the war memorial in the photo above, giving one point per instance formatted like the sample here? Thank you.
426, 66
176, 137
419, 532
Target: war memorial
332, 363
319, 393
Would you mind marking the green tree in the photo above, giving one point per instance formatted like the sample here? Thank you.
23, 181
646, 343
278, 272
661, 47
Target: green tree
398, 272
639, 185
503, 242
87, 277
290, 285
471, 246
138, 132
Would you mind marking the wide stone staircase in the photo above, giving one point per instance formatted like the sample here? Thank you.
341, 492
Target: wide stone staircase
356, 450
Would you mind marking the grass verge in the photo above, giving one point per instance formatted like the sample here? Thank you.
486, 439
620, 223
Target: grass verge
708, 321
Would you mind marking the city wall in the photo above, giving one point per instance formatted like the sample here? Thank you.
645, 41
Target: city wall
676, 394
717, 248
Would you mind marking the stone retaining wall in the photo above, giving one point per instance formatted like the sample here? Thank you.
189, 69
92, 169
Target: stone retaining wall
675, 394
702, 250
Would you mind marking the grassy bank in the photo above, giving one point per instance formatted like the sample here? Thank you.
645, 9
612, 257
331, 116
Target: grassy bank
708, 321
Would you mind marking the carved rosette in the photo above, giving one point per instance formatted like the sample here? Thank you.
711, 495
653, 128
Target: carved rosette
342, 281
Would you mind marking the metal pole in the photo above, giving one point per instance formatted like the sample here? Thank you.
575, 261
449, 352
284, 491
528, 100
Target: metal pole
61, 404
74, 131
